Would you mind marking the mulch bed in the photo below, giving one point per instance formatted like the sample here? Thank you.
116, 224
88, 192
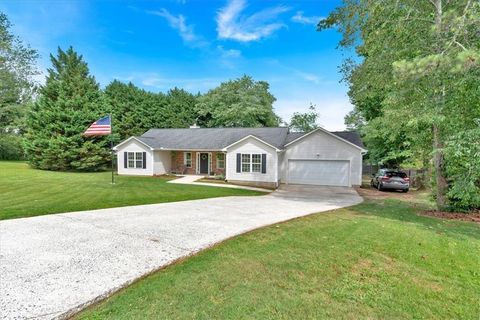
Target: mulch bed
471, 217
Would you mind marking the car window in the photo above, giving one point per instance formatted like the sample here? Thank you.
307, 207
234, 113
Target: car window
395, 174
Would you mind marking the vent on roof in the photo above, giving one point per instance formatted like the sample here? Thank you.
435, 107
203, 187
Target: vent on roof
194, 126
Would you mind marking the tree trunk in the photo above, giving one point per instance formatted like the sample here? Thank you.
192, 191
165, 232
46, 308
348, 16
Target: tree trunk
438, 161
438, 157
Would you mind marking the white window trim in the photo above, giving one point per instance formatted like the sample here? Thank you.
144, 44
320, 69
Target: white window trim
135, 159
223, 160
250, 162
244, 162
185, 159
256, 163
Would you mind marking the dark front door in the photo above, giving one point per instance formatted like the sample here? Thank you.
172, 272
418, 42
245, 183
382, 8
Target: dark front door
204, 163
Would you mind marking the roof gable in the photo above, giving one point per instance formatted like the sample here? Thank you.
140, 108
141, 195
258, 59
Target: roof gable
217, 139
211, 138
350, 137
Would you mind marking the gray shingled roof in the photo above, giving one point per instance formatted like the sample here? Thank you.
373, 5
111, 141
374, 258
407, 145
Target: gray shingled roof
219, 138
210, 138
350, 136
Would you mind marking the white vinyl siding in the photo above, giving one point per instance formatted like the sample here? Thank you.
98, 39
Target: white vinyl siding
133, 146
322, 146
162, 162
248, 147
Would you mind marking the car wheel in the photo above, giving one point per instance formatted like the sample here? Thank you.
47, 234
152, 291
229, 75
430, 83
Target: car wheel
405, 190
379, 187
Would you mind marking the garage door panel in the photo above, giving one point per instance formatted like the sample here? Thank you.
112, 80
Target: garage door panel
319, 172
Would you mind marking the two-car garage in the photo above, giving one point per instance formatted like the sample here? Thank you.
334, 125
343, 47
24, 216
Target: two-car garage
322, 158
319, 172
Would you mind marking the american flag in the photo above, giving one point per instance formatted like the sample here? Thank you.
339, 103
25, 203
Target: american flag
101, 127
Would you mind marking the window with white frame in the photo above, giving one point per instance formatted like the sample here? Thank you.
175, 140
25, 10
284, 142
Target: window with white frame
135, 160
187, 159
246, 162
256, 162
251, 162
220, 160
139, 159
131, 159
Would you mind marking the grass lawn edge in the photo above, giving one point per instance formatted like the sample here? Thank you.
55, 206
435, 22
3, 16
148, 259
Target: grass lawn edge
98, 300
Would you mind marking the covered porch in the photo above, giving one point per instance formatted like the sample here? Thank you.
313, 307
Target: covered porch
209, 163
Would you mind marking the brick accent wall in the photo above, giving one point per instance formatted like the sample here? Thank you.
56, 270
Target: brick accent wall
178, 162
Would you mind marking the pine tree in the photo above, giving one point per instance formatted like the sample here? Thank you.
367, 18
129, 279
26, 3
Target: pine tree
67, 104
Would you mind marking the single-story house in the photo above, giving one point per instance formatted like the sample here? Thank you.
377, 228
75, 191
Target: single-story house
253, 156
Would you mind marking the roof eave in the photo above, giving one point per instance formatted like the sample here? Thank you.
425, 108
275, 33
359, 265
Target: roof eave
329, 133
254, 137
115, 148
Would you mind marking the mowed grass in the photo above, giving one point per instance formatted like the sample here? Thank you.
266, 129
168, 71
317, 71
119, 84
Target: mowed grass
376, 260
26, 192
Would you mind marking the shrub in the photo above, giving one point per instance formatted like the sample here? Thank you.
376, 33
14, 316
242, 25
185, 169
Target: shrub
462, 155
11, 147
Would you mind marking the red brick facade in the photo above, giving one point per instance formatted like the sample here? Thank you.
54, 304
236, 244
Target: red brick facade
178, 163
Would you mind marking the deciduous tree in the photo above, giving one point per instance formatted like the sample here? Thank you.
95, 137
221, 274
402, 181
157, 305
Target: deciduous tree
241, 102
414, 84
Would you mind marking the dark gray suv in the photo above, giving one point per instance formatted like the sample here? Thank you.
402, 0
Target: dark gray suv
390, 179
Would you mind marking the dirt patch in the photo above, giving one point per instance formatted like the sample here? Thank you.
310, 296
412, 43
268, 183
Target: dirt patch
374, 194
471, 217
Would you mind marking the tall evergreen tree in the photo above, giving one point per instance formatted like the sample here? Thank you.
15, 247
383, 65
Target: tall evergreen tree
68, 103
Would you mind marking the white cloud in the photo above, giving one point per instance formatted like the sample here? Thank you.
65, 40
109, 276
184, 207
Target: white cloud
156, 81
231, 24
229, 53
299, 17
178, 22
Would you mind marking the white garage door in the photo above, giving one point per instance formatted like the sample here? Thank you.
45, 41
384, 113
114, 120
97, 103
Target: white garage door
319, 172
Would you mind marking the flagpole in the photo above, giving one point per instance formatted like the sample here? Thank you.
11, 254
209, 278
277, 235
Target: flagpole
111, 146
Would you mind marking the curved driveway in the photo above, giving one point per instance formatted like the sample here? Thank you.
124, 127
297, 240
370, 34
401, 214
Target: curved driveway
51, 266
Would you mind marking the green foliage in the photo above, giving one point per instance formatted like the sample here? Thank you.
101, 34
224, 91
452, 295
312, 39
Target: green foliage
238, 103
136, 110
11, 147
416, 85
68, 103
17, 67
304, 122
463, 168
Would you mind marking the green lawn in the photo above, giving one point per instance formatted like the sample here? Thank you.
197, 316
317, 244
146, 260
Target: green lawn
26, 192
375, 260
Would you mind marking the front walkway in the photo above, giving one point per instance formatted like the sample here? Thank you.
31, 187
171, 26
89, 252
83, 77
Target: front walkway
191, 179
53, 265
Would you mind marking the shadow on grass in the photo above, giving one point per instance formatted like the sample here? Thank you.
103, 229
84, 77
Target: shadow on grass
408, 212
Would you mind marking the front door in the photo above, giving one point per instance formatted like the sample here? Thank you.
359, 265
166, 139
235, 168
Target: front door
204, 163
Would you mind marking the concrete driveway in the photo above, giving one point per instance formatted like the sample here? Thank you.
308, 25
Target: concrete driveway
51, 266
